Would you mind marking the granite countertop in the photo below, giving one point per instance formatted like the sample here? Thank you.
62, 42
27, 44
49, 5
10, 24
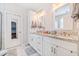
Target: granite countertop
69, 39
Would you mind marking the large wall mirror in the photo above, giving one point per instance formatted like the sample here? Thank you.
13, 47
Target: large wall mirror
0, 30
61, 16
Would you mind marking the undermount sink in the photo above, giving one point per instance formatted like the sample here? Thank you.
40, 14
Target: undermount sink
48, 32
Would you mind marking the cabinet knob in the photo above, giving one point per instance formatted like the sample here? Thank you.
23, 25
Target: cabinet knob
71, 51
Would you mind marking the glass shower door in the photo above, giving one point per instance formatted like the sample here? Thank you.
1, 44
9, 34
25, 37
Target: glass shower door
0, 31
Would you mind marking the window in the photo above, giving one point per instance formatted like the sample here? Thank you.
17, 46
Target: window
13, 30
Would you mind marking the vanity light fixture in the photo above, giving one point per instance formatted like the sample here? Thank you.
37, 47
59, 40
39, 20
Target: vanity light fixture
75, 12
75, 16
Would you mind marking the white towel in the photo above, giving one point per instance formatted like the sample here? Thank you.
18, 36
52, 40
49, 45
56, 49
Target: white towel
3, 52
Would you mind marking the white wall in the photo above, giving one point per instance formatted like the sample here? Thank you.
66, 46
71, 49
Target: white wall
3, 23
49, 21
15, 9
68, 22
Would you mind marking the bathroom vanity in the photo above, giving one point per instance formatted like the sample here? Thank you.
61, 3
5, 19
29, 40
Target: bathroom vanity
51, 45
63, 44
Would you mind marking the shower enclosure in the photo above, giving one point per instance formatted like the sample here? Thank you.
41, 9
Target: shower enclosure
0, 31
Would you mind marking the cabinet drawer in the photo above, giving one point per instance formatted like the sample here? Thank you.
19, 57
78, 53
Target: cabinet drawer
69, 46
64, 52
65, 44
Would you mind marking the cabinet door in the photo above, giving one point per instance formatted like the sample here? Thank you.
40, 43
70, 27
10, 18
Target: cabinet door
38, 43
32, 40
64, 52
49, 49
39, 40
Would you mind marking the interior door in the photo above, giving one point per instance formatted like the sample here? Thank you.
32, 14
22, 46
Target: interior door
12, 29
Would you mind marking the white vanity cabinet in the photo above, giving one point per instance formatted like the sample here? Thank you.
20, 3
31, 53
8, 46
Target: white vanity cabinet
36, 42
56, 47
50, 46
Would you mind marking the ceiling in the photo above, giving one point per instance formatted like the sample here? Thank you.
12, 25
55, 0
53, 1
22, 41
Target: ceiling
33, 6
39, 6
57, 5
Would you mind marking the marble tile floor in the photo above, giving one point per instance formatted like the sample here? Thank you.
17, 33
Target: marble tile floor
22, 50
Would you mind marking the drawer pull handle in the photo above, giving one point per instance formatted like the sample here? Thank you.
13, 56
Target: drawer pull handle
51, 49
